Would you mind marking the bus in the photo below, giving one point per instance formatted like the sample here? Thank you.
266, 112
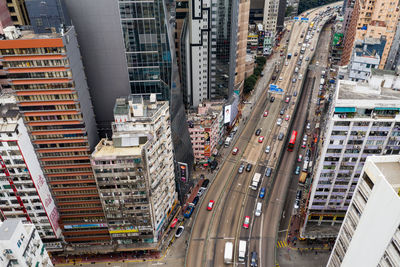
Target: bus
292, 141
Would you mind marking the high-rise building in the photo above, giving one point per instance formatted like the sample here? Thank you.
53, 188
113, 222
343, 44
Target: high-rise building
46, 74
135, 173
364, 121
373, 214
47, 16
24, 191
256, 11
271, 8
5, 18
281, 15
181, 14
20, 245
18, 12
372, 19
241, 48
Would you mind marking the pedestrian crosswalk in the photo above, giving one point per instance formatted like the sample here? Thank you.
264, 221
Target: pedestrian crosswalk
281, 244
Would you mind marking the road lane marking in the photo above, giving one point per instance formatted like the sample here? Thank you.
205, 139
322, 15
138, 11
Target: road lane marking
260, 243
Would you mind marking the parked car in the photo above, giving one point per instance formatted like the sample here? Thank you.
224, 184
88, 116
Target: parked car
179, 231
308, 127
305, 137
205, 183
201, 191
195, 200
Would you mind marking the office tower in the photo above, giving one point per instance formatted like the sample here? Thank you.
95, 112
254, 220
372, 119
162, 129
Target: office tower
47, 16
18, 12
281, 15
182, 9
256, 11
5, 18
372, 19
135, 173
364, 121
25, 193
270, 25
209, 46
20, 245
370, 234
206, 128
46, 75
241, 50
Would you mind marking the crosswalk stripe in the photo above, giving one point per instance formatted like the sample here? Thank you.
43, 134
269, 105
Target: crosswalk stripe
281, 244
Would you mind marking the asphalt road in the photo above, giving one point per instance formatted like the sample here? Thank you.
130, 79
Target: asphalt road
233, 198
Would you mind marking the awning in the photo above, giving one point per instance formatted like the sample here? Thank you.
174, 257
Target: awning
387, 108
345, 109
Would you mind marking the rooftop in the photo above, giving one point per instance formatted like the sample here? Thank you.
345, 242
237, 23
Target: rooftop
12, 33
388, 167
136, 107
106, 149
7, 228
378, 89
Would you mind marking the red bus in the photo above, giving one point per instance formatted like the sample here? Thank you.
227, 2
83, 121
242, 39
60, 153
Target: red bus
292, 141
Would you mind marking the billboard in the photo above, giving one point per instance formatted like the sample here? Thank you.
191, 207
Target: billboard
183, 171
207, 147
227, 113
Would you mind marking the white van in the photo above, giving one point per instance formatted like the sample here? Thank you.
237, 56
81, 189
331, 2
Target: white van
258, 209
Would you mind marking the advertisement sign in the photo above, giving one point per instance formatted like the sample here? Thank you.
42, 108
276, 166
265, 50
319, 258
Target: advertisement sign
183, 171
207, 148
227, 114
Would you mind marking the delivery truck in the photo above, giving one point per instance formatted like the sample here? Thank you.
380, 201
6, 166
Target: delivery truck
228, 252
256, 180
242, 250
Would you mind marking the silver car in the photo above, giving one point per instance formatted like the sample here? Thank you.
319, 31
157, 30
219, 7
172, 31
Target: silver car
267, 149
279, 121
241, 168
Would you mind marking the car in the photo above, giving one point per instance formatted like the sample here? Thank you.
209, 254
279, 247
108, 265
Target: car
273, 77
308, 127
262, 74
265, 113
248, 167
268, 172
205, 183
280, 136
299, 62
281, 54
304, 144
277, 70
287, 99
305, 137
246, 222
195, 200
295, 54
262, 193
282, 111
300, 158
287, 117
213, 164
296, 203
254, 259
308, 153
272, 99
179, 231
279, 121
300, 76
261, 139
210, 205
286, 63
235, 150
321, 87
258, 132
267, 149
295, 93
201, 191
297, 171
317, 63
294, 80
280, 78
241, 168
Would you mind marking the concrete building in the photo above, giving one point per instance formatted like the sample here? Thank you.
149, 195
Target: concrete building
366, 56
270, 20
373, 214
181, 12
5, 18
18, 12
351, 20
375, 19
135, 173
364, 120
206, 128
20, 245
47, 16
256, 11
46, 74
281, 15
243, 27
24, 191
393, 59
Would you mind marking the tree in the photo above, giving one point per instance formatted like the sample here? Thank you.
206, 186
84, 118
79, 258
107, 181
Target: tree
261, 61
289, 11
257, 71
249, 84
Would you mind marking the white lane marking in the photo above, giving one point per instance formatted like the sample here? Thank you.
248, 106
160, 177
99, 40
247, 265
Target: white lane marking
260, 245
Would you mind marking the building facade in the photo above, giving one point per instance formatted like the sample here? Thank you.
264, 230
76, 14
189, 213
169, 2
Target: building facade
5, 18
373, 214
46, 74
206, 130
18, 12
25, 193
271, 8
20, 245
135, 173
241, 49
364, 121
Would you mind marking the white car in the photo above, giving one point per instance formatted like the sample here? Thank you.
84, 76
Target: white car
179, 231
305, 138
201, 191
279, 121
308, 126
267, 149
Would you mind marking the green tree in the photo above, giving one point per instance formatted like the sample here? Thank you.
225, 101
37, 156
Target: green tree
249, 84
261, 61
289, 11
257, 71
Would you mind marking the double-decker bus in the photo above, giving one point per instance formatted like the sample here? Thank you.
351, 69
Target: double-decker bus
292, 141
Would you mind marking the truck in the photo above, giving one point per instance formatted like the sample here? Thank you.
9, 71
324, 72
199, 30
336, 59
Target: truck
322, 82
242, 250
305, 166
289, 56
228, 141
228, 252
256, 180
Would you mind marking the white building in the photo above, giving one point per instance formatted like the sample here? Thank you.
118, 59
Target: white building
20, 245
269, 24
364, 120
364, 59
24, 192
370, 234
135, 172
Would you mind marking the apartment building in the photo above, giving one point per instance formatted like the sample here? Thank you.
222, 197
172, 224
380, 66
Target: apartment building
373, 215
5, 18
20, 245
376, 19
135, 173
46, 74
24, 192
270, 19
241, 48
206, 128
364, 120
18, 13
